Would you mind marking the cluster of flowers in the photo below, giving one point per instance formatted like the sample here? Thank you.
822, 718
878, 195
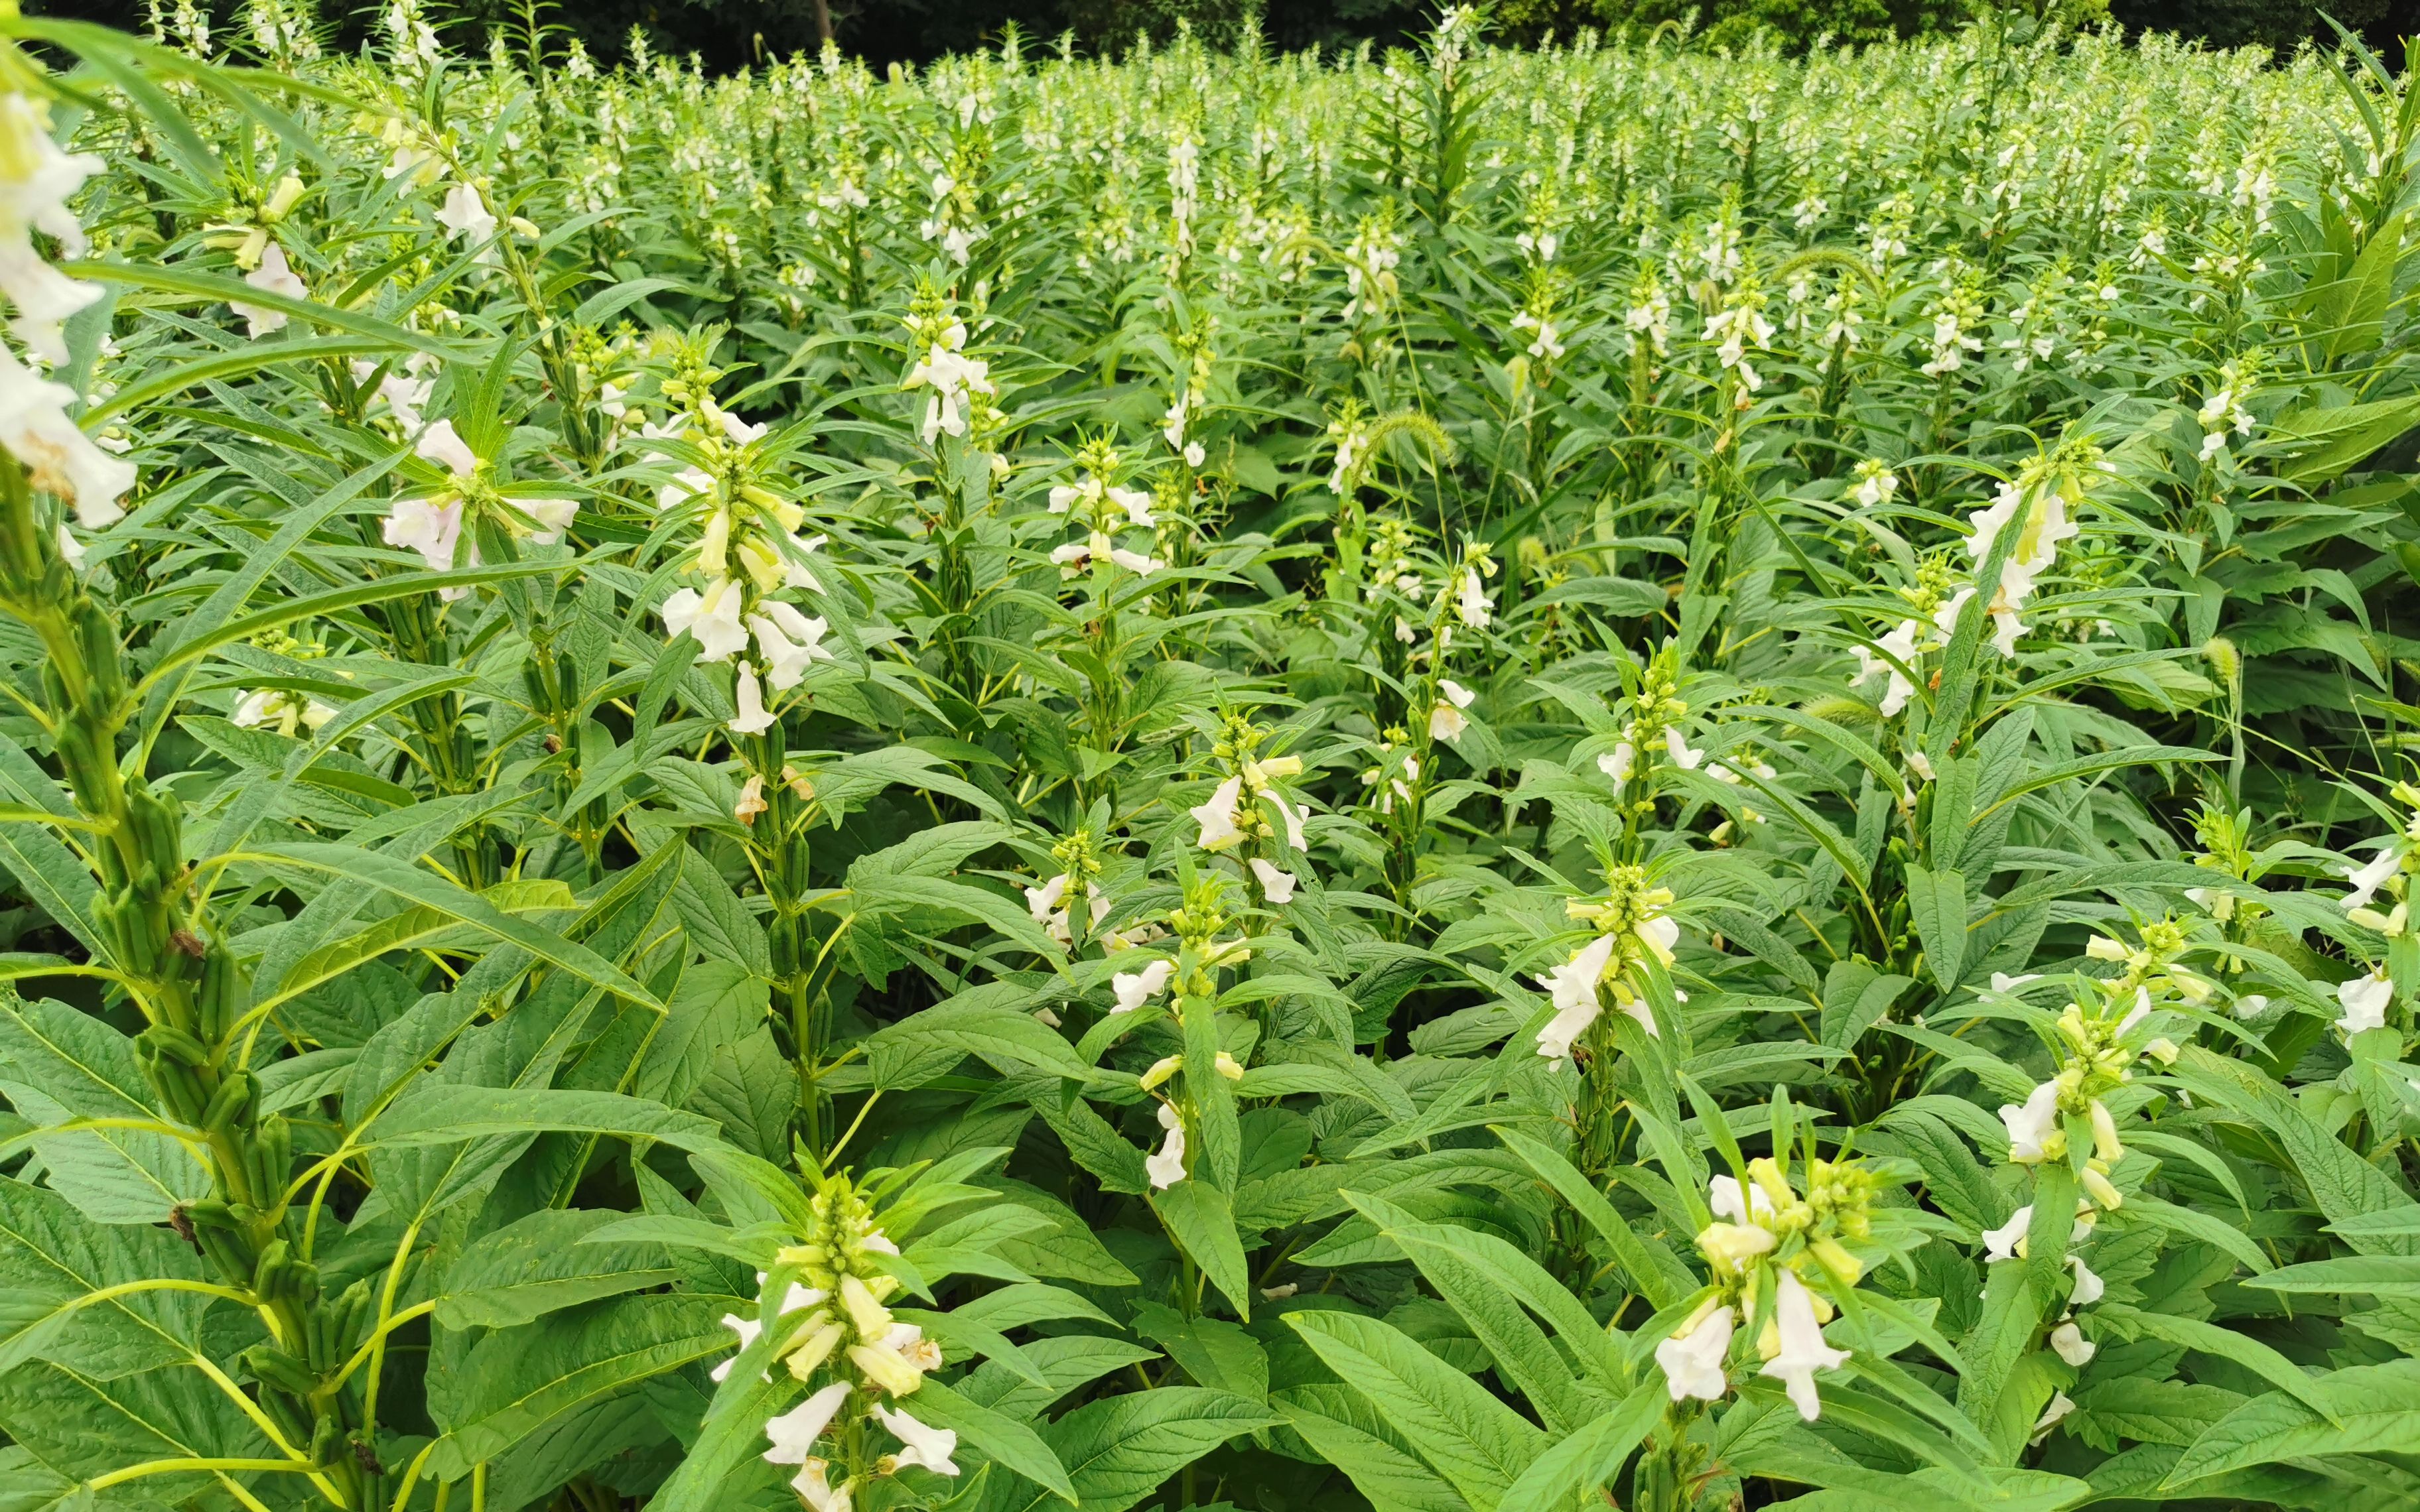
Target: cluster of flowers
1767, 1243
831, 1323
1632, 929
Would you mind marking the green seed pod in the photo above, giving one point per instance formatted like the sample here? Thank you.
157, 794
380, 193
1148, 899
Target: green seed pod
230, 1106
98, 638
164, 1053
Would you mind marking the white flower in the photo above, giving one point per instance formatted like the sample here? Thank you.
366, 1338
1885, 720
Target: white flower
465, 214
816, 1490
1166, 1168
712, 617
2089, 1287
1278, 885
1294, 819
754, 718
273, 276
1043, 901
795, 1433
2367, 880
2001, 1244
2003, 982
2069, 1343
1472, 604
1683, 755
1445, 720
1692, 1362
34, 427
1617, 763
1136, 988
1803, 1349
431, 528
1898, 687
2251, 1005
552, 516
2366, 1001
2061, 1405
929, 1448
1726, 1198
443, 445
1572, 985
2032, 1124
285, 710
1216, 816
790, 641
36, 179
70, 549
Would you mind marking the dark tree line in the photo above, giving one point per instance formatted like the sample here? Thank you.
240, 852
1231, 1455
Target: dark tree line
731, 33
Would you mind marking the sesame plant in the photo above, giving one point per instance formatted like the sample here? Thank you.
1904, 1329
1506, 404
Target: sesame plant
1633, 775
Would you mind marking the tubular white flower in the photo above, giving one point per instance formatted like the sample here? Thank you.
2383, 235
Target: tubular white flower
2366, 1001
2069, 1343
1166, 1168
54, 449
1216, 816
1617, 763
1898, 687
1803, 1349
2031, 1126
1136, 988
712, 617
2089, 1287
428, 526
2367, 880
1683, 755
465, 214
1692, 1362
273, 276
791, 642
36, 179
929, 1447
2001, 1244
753, 719
1278, 885
1574, 986
795, 1433
1726, 1198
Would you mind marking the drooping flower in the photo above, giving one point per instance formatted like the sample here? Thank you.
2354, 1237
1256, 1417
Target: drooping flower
1278, 885
1684, 755
1803, 1351
465, 214
431, 527
2364, 1001
1898, 687
753, 719
1617, 763
1725, 1198
1574, 987
1136, 988
795, 1433
285, 712
36, 180
1166, 1168
791, 642
273, 276
1445, 720
2001, 1244
712, 617
2034, 1133
1216, 816
2367, 880
2069, 1343
1692, 1361
57, 453
929, 1447
2089, 1287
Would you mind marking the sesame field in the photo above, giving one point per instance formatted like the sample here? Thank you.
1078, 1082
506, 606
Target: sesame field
1620, 776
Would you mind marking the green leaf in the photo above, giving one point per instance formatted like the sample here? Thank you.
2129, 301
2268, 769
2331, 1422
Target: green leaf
1120, 1450
538, 1264
1200, 1220
2376, 1411
1936, 901
1478, 1444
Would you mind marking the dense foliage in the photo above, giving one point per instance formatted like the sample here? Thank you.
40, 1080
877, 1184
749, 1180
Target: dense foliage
1469, 781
